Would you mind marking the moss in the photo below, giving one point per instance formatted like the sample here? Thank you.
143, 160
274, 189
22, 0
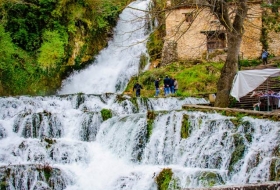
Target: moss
163, 179
151, 115
149, 128
120, 98
49, 142
143, 61
47, 171
209, 179
238, 151
3, 184
106, 114
185, 127
276, 151
248, 130
274, 170
134, 102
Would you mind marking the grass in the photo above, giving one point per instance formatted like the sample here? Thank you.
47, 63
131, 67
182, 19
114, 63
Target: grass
193, 80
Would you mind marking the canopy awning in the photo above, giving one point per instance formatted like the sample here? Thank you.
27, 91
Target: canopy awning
248, 80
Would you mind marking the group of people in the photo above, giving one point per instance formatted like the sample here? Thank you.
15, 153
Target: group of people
170, 86
271, 98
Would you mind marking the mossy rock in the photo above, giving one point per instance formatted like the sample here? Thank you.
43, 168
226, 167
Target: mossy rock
151, 115
248, 130
274, 174
185, 129
49, 142
163, 179
238, 152
4, 184
106, 114
210, 179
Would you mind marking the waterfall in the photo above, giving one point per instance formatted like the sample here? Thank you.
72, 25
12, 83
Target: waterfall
108, 141
63, 142
117, 63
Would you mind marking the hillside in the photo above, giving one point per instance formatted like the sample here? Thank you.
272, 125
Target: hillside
42, 41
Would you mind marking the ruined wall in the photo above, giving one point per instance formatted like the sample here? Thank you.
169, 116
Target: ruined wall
274, 43
251, 46
191, 43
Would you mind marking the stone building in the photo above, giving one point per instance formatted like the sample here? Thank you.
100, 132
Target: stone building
195, 33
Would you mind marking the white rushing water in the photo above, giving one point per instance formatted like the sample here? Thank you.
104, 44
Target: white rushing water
69, 135
64, 142
116, 64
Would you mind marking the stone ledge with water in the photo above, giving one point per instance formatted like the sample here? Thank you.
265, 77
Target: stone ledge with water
143, 137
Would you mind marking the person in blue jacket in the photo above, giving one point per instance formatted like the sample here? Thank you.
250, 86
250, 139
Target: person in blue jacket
265, 55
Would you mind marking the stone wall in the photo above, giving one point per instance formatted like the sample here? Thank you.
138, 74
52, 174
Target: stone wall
191, 41
251, 46
274, 43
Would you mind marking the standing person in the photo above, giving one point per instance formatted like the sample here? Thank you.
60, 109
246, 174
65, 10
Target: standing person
171, 85
175, 85
264, 56
138, 88
157, 86
166, 83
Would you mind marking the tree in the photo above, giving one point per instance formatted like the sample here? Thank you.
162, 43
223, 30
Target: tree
234, 28
231, 16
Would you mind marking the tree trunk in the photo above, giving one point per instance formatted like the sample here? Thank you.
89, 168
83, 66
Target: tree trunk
229, 70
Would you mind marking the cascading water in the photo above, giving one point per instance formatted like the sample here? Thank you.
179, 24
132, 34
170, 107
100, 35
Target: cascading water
113, 142
63, 142
116, 64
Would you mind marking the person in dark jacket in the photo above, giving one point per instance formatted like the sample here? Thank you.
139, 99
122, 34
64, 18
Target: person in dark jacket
137, 87
171, 84
157, 86
166, 83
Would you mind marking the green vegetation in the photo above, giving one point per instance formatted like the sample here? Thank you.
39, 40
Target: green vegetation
270, 20
155, 42
42, 40
194, 80
4, 184
185, 127
106, 114
238, 151
249, 63
248, 130
47, 169
49, 142
209, 179
163, 179
151, 115
274, 169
